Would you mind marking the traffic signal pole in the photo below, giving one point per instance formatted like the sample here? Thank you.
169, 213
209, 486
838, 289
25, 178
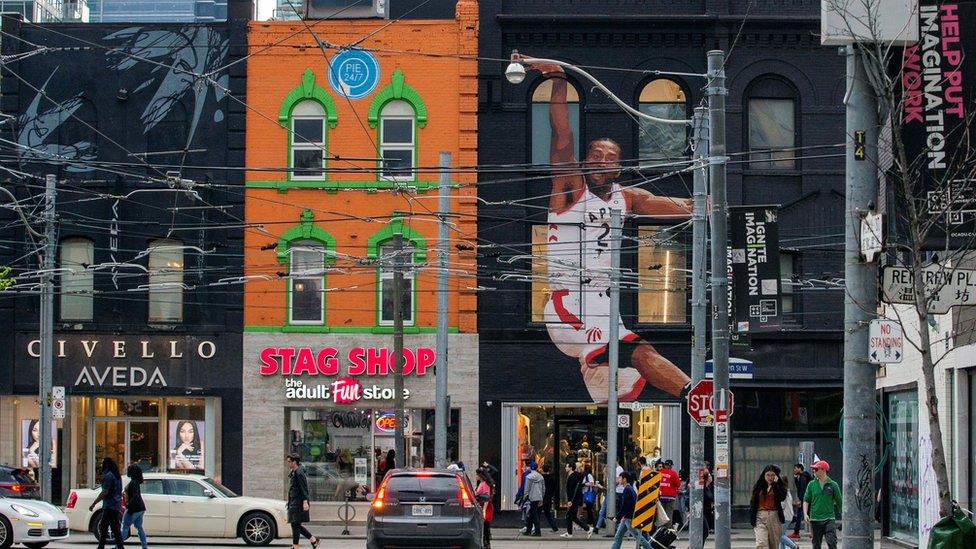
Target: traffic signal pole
699, 298
860, 306
720, 298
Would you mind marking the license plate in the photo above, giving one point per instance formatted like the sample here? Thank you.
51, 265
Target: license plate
423, 510
62, 524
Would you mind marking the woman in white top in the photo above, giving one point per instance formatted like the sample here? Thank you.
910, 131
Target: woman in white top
784, 541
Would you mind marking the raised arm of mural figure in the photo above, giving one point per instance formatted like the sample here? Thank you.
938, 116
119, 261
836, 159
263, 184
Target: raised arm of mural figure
567, 180
642, 202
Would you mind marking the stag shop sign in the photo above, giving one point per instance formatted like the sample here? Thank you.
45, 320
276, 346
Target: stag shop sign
327, 374
119, 362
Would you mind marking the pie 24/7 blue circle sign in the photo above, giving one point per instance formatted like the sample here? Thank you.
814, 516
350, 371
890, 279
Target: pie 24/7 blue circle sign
354, 73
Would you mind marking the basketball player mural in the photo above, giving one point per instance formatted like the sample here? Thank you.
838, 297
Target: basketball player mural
579, 259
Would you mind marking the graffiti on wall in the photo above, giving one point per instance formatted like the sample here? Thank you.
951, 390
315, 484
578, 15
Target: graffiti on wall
40, 130
183, 63
173, 68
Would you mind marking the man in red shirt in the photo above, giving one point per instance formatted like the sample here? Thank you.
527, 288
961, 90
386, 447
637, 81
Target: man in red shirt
669, 487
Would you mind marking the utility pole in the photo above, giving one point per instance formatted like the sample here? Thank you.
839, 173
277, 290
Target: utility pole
699, 313
442, 411
401, 447
860, 305
720, 298
47, 333
614, 351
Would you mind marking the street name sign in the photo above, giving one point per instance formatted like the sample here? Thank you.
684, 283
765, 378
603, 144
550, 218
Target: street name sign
945, 287
871, 244
886, 344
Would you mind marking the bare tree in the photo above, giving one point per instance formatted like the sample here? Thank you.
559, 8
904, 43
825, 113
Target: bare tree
925, 156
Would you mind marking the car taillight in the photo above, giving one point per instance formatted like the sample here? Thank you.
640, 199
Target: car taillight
16, 488
72, 500
463, 493
380, 499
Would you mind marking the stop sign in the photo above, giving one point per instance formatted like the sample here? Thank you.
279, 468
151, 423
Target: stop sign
701, 403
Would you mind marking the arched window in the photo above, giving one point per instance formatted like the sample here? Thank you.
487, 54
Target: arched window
541, 130
166, 280
77, 281
306, 283
398, 145
308, 140
662, 98
772, 123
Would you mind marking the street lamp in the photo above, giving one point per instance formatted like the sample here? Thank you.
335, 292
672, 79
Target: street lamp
515, 73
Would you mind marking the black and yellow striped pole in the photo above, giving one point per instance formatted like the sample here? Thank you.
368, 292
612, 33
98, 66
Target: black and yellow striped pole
648, 493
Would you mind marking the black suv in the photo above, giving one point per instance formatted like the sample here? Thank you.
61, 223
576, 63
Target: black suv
17, 483
424, 508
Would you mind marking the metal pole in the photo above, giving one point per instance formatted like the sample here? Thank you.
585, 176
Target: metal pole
442, 411
720, 283
613, 350
860, 305
399, 441
47, 334
699, 225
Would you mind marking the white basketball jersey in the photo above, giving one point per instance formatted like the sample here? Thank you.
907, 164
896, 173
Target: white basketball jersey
579, 242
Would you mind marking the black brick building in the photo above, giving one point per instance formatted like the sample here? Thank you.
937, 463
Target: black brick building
143, 125
785, 92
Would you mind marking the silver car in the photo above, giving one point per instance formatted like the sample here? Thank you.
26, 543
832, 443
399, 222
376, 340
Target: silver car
424, 508
31, 522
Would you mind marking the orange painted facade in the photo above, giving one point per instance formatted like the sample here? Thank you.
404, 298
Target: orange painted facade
352, 210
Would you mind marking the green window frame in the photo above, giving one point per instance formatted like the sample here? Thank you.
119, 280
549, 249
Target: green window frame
376, 250
307, 91
302, 235
389, 104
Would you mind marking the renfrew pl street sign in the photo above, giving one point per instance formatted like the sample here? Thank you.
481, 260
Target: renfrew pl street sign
886, 345
945, 287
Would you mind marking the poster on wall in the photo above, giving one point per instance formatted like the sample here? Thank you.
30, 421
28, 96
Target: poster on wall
186, 445
937, 101
754, 241
30, 434
582, 193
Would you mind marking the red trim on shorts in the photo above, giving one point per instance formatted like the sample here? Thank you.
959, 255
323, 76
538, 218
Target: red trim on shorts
635, 392
561, 311
629, 338
595, 353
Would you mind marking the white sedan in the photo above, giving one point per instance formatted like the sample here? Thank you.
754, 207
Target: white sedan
192, 506
31, 522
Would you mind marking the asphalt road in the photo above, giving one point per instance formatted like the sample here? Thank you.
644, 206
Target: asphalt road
505, 539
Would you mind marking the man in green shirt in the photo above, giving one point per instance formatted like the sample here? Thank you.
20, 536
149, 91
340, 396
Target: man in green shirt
820, 504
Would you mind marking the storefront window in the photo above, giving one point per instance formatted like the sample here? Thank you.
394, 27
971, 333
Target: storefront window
344, 451
186, 435
903, 468
557, 436
972, 439
778, 410
166, 434
127, 407
750, 454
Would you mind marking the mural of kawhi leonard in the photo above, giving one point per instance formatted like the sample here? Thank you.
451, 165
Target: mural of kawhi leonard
579, 260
